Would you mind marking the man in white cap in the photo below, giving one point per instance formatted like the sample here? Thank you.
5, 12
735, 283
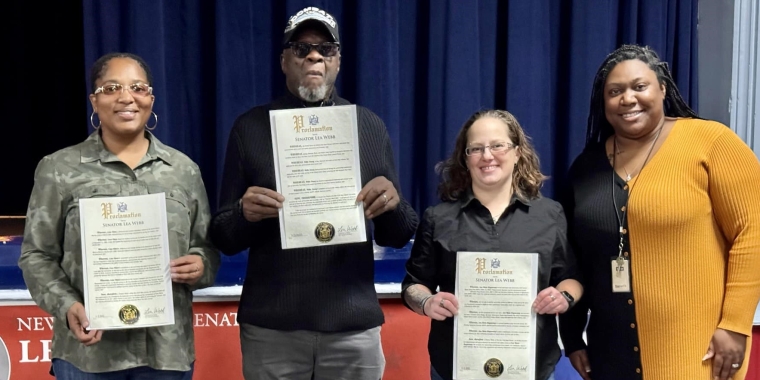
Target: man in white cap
308, 313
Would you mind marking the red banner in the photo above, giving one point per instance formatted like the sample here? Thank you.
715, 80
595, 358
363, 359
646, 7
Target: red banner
27, 332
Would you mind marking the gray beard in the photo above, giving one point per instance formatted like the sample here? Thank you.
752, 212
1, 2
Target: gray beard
312, 95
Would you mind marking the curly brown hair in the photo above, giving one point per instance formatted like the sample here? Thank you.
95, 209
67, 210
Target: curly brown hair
527, 178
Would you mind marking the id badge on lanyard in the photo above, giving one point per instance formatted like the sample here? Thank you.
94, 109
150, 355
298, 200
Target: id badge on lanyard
621, 275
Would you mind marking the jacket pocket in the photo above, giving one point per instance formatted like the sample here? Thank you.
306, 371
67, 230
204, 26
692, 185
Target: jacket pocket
177, 219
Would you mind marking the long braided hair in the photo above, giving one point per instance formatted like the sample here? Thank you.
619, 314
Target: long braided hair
598, 128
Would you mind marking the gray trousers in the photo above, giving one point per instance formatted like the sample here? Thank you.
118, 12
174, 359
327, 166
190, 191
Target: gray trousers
309, 355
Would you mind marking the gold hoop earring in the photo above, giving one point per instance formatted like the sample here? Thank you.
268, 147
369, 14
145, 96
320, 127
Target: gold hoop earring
154, 125
93, 122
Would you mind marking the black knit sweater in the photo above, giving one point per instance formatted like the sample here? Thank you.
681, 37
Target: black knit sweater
327, 289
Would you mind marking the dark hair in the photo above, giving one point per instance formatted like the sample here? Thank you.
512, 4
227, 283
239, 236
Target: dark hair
526, 178
101, 65
598, 127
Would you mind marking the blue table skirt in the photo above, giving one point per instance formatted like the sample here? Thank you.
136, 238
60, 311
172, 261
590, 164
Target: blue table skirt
10, 273
389, 265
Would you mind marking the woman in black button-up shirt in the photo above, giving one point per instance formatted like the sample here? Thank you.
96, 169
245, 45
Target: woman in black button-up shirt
491, 203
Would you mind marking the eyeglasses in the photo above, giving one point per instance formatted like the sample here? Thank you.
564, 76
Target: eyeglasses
136, 89
497, 148
302, 49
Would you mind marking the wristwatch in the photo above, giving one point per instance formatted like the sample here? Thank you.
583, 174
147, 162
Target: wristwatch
569, 298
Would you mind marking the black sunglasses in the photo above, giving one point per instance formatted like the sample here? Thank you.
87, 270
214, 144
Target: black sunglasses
302, 49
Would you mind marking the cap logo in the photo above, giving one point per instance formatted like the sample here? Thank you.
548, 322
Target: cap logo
310, 13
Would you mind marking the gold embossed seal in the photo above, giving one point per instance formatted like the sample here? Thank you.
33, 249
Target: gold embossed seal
129, 314
324, 232
493, 367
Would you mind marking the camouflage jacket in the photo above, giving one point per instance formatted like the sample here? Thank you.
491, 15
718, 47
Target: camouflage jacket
51, 253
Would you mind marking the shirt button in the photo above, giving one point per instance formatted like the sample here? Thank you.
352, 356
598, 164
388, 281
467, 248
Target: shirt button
633, 325
622, 208
630, 302
636, 349
638, 370
625, 254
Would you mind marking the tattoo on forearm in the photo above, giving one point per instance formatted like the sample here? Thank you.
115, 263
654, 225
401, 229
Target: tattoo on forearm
415, 294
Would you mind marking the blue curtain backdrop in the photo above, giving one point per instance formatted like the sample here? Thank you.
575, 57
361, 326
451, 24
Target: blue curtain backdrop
423, 66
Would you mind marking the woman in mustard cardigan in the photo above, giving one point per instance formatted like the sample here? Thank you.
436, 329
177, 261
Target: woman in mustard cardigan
664, 212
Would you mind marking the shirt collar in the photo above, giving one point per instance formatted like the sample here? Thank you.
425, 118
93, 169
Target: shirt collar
469, 196
94, 150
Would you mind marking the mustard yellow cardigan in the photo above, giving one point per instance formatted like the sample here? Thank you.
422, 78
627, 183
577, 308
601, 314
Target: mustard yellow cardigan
694, 218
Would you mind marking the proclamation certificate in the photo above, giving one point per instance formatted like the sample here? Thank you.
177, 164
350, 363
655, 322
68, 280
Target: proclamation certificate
125, 262
495, 329
316, 160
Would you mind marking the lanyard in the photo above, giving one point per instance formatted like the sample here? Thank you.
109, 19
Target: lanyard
622, 220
